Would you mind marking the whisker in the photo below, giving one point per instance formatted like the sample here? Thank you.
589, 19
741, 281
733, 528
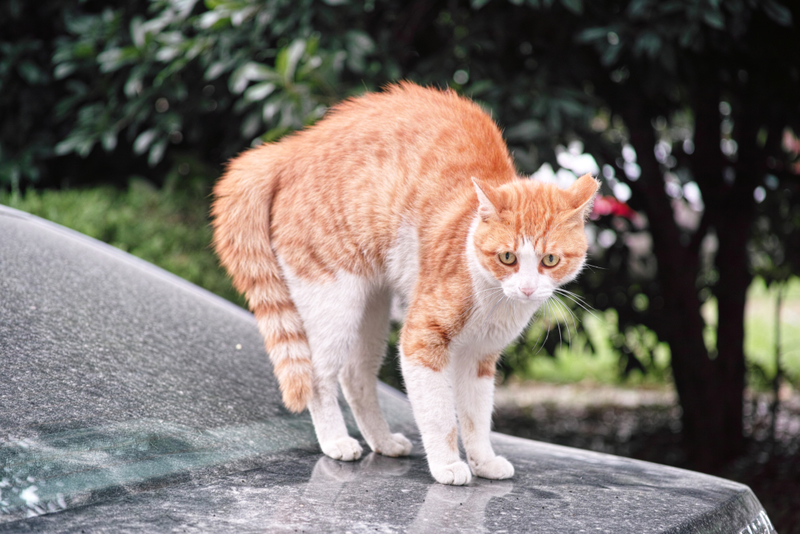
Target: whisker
571, 293
571, 313
549, 323
573, 297
558, 326
540, 311
577, 300
589, 265
561, 306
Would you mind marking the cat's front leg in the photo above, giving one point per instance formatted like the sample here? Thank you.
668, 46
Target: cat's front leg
431, 395
474, 394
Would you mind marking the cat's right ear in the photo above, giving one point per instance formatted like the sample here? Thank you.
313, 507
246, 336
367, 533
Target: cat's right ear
486, 209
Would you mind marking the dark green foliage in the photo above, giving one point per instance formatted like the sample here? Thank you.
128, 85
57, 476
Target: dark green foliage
684, 104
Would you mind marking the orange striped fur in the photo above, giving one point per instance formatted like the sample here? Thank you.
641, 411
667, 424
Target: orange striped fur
334, 199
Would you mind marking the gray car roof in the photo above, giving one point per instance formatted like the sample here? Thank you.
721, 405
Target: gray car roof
131, 399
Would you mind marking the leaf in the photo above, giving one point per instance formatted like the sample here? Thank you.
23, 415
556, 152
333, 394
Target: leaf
778, 12
143, 141
592, 34
214, 70
66, 146
336, 2
240, 15
480, 87
84, 147
293, 55
571, 107
673, 6
109, 140
611, 55
248, 72
116, 58
275, 133
138, 31
688, 36
359, 45
157, 153
31, 72
210, 18
269, 110
477, 4
63, 70
575, 6
714, 19
167, 53
525, 131
83, 51
259, 91
639, 9
250, 125
649, 43
135, 82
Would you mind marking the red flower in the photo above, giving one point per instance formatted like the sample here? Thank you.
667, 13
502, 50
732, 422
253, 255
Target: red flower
611, 206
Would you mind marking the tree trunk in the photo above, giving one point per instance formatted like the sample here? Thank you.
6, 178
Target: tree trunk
710, 390
734, 212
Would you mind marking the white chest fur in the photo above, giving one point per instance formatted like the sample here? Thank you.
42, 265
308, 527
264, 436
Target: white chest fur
494, 319
494, 322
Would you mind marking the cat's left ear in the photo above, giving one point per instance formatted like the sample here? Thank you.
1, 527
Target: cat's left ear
486, 209
582, 193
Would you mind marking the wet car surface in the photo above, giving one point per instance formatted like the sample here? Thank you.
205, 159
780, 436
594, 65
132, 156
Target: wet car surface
133, 400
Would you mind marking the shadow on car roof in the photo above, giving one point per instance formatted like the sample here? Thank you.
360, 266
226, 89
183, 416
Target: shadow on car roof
132, 399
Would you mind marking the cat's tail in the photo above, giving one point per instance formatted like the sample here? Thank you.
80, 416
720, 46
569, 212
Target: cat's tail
241, 208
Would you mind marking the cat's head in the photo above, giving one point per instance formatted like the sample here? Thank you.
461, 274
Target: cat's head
530, 235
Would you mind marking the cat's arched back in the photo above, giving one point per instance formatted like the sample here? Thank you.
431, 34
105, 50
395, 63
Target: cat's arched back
410, 191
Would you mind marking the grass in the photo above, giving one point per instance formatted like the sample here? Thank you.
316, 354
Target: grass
760, 318
595, 355
170, 228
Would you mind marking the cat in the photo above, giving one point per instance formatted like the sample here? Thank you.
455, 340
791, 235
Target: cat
410, 191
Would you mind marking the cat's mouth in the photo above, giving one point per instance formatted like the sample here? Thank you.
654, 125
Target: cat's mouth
532, 298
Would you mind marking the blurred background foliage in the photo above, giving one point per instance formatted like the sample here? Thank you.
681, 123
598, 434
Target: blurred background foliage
687, 109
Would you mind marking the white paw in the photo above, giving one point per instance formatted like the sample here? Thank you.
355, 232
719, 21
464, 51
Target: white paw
394, 445
345, 449
456, 474
497, 468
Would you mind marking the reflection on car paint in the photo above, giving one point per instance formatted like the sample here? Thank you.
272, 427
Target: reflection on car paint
69, 468
336, 487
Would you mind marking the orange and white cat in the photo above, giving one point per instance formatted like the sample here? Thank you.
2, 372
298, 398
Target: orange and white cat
408, 192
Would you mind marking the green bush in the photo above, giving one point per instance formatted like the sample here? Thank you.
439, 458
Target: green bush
136, 80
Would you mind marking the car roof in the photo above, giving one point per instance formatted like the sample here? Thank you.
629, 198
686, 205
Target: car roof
130, 398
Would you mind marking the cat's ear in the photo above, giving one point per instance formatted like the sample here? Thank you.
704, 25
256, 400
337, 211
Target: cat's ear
582, 193
486, 209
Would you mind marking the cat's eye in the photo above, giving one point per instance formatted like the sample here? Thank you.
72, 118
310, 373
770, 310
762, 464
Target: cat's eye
550, 260
507, 258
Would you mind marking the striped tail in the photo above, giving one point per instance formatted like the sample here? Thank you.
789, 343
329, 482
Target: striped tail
240, 212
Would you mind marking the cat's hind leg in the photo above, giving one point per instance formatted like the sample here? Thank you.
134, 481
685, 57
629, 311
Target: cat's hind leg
332, 313
359, 377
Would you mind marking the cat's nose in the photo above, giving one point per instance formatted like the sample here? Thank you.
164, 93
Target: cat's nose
527, 291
